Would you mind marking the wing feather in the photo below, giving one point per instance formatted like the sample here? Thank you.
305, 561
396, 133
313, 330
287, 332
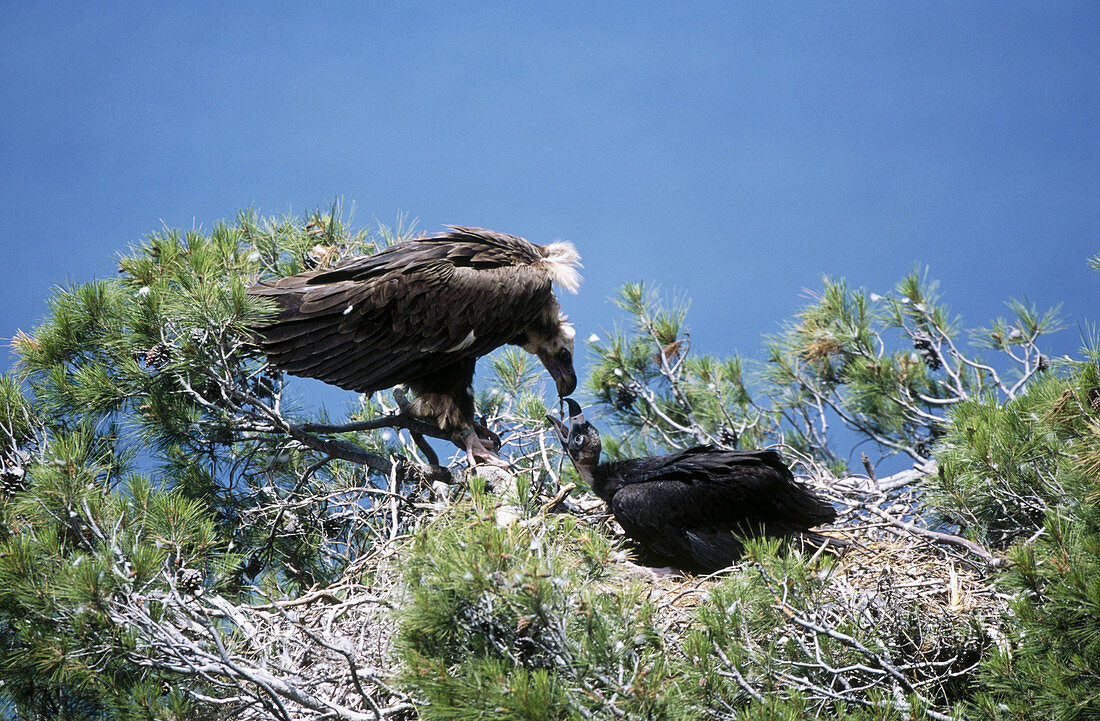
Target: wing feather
406, 311
693, 507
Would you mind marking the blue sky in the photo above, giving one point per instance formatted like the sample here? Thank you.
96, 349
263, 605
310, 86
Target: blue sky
732, 152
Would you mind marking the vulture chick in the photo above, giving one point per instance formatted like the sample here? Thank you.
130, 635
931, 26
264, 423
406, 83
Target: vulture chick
421, 312
691, 509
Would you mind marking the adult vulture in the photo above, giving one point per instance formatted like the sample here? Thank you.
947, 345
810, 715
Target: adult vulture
691, 509
421, 312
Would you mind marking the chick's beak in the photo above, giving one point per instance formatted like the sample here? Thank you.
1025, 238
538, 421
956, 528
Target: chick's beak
576, 415
559, 427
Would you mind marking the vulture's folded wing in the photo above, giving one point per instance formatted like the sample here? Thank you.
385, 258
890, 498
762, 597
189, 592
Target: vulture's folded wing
372, 325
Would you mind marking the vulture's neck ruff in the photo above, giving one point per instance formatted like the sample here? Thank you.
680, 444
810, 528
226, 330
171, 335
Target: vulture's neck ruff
561, 260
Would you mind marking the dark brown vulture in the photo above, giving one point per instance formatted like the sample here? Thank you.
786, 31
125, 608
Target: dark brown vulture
691, 509
421, 312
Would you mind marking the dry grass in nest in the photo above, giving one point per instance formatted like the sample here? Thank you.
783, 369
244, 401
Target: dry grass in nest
879, 564
938, 582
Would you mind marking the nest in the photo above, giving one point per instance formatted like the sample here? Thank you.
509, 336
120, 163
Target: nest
904, 568
907, 603
886, 564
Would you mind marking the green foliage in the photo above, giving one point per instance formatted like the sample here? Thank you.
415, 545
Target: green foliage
517, 623
883, 367
160, 362
532, 624
156, 370
836, 357
1030, 472
658, 393
74, 545
1004, 467
1049, 668
775, 640
158, 484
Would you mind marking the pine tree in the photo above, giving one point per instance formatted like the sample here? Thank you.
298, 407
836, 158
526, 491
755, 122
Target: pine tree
1029, 473
156, 474
883, 367
182, 535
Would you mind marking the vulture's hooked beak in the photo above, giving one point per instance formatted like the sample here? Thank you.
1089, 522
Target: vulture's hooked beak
560, 367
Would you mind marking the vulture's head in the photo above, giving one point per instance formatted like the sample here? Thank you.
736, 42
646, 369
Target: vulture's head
554, 348
580, 440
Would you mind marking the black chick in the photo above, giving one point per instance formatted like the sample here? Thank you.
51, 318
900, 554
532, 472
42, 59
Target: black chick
691, 509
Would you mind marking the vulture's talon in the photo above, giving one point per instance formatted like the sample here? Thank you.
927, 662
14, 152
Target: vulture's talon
484, 433
477, 450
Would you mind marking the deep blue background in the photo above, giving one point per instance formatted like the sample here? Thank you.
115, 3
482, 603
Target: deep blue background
730, 152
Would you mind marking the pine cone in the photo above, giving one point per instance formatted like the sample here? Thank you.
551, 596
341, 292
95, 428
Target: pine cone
157, 356
13, 471
1094, 399
923, 344
189, 580
12, 480
625, 396
728, 437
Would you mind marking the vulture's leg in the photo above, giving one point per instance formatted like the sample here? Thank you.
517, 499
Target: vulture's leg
477, 447
445, 399
404, 408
